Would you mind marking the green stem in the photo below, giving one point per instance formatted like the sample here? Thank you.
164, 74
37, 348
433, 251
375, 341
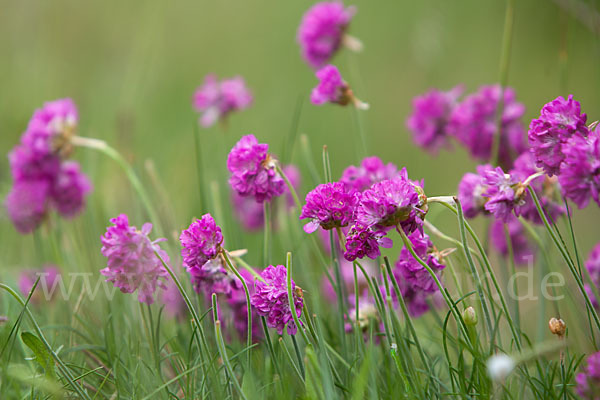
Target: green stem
267, 232
248, 304
299, 356
449, 301
103, 147
513, 270
64, 369
565, 256
189, 305
223, 350
504, 64
489, 270
288, 264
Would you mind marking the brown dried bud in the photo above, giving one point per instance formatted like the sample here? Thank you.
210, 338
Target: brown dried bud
557, 326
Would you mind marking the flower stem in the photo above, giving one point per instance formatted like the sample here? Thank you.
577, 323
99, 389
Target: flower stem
61, 365
223, 350
248, 304
565, 256
504, 64
288, 265
103, 147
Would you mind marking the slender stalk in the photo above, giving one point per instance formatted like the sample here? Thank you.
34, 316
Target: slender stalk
62, 366
267, 232
103, 147
299, 356
504, 64
474, 272
511, 260
565, 256
188, 303
223, 350
489, 270
288, 265
435, 278
248, 304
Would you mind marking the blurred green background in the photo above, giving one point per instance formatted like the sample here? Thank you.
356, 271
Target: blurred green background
132, 68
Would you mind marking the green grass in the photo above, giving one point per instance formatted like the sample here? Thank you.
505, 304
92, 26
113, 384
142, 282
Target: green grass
132, 71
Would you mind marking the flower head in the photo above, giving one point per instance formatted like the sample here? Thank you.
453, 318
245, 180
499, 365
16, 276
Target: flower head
333, 89
211, 277
580, 172
522, 250
392, 202
503, 193
270, 299
253, 170
546, 188
430, 117
471, 189
27, 204
370, 171
41, 176
216, 100
132, 262
412, 271
473, 123
559, 120
329, 205
364, 241
588, 380
70, 189
201, 242
321, 31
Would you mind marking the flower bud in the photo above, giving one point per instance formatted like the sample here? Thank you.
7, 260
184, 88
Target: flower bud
557, 327
469, 316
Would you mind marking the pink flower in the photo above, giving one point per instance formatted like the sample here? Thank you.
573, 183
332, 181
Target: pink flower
132, 262
321, 31
216, 100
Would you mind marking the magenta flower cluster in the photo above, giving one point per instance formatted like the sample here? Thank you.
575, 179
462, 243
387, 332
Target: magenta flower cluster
329, 205
391, 203
331, 86
580, 172
253, 171
371, 199
201, 244
472, 121
559, 121
412, 271
270, 299
42, 178
217, 99
132, 263
370, 171
588, 380
321, 31
431, 114
364, 241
